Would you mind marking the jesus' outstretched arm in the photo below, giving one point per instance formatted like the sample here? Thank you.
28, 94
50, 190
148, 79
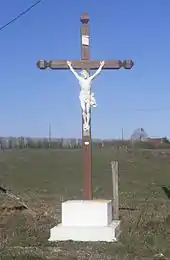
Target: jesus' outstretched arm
72, 70
97, 71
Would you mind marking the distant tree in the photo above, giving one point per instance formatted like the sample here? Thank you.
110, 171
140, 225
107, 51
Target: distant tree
45, 143
165, 140
21, 142
10, 146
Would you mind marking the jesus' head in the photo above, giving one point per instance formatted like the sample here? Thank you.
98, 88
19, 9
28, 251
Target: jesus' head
84, 74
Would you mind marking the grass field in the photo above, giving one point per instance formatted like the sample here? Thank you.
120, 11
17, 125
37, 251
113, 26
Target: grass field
44, 178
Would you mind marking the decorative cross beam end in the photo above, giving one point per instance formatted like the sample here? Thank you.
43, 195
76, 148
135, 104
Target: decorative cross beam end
84, 18
42, 64
128, 64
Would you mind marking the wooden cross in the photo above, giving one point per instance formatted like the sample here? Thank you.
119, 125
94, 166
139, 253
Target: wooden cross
85, 63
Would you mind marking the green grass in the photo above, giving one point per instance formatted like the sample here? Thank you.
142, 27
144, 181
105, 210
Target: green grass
45, 178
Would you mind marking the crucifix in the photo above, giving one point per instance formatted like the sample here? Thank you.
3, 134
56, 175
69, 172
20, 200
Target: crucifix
87, 98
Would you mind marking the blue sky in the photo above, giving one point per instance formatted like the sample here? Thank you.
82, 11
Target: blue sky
32, 99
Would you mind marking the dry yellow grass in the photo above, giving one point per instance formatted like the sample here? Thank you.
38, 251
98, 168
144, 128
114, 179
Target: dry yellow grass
44, 178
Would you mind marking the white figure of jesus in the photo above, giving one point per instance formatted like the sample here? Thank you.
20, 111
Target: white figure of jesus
87, 99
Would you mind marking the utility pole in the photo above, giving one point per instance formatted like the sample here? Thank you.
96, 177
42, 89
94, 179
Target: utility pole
49, 136
122, 134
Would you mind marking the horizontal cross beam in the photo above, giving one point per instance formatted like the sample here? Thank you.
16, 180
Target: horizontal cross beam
84, 64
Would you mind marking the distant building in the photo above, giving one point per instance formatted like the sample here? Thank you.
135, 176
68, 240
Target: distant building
139, 135
156, 140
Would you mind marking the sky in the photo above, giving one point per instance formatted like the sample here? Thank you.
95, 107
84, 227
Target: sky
32, 99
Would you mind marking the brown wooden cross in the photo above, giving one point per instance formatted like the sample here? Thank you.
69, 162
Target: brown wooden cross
85, 63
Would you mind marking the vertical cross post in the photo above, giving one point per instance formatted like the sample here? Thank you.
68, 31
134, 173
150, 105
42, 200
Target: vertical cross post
86, 135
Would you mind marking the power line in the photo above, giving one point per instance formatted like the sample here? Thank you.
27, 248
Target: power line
19, 16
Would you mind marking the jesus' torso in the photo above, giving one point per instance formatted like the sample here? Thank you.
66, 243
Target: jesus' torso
85, 87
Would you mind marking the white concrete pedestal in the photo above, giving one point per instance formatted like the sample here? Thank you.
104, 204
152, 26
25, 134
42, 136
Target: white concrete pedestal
86, 220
